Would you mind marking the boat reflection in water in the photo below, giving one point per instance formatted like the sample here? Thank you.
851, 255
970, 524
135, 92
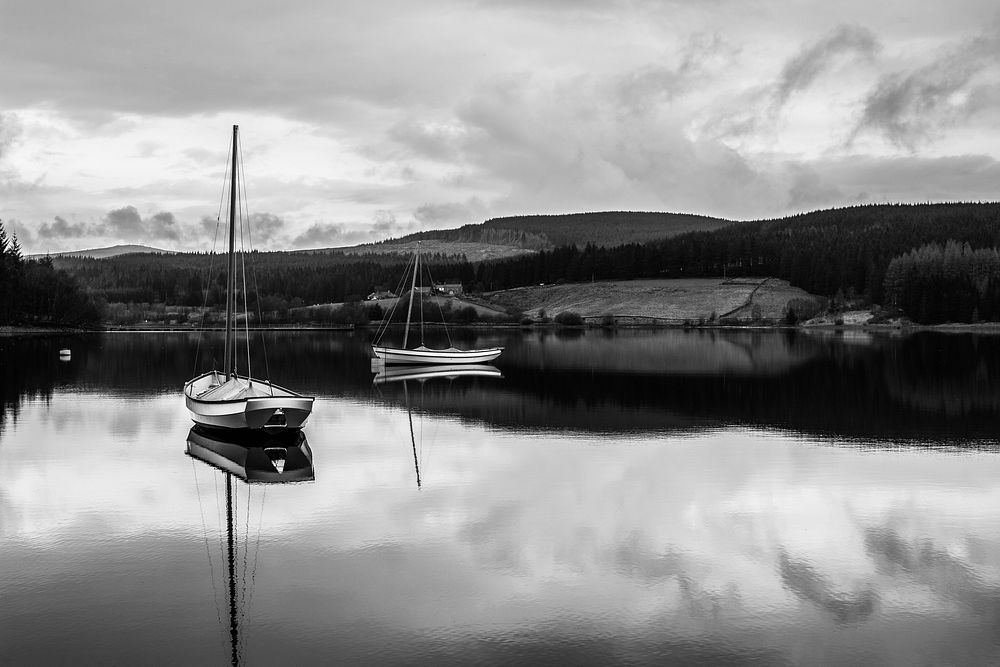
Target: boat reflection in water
255, 457
405, 374
386, 374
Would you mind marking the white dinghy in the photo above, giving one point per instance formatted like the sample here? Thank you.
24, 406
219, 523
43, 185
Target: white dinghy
226, 399
422, 354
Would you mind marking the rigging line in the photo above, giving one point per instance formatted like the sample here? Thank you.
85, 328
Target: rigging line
399, 290
208, 551
444, 323
253, 571
253, 269
246, 310
211, 260
204, 306
222, 196
384, 328
420, 292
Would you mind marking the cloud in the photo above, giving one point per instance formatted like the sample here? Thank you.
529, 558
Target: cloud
323, 235
435, 215
910, 106
61, 229
122, 224
439, 141
10, 130
647, 86
758, 108
911, 178
329, 235
809, 190
814, 59
15, 229
265, 227
585, 145
127, 224
846, 607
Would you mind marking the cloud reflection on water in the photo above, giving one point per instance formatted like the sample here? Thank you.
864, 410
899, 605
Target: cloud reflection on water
732, 543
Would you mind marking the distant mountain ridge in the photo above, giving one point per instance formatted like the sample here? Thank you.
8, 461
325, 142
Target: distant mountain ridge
540, 232
110, 251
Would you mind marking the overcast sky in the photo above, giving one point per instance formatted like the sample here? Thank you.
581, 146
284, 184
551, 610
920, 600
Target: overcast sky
363, 120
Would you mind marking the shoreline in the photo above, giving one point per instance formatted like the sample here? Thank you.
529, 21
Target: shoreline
903, 328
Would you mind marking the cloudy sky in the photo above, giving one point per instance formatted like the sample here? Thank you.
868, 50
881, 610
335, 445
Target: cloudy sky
363, 120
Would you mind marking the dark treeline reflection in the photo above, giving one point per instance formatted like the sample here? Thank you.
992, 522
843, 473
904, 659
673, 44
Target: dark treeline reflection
855, 386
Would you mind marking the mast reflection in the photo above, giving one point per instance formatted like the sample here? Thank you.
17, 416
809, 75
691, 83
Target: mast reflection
254, 458
403, 375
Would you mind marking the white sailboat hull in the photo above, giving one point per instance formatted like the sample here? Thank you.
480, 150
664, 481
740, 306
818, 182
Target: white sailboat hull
259, 405
423, 355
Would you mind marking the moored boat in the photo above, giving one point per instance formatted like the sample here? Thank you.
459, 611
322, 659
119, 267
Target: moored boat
226, 399
423, 354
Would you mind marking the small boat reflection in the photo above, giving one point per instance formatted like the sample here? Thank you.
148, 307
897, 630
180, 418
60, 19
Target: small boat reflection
256, 458
406, 374
386, 374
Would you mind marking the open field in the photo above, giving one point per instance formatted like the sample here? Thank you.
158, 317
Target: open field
674, 300
667, 301
443, 302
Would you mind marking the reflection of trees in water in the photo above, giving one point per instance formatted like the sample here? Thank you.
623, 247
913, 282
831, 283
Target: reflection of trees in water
926, 387
822, 386
29, 368
955, 375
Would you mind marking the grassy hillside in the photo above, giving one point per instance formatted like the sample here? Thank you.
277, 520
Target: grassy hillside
672, 300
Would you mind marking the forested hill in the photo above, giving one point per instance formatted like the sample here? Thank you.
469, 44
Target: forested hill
946, 260
846, 250
112, 251
299, 277
538, 232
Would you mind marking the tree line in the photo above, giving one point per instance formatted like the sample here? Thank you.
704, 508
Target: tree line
34, 292
948, 282
280, 280
846, 250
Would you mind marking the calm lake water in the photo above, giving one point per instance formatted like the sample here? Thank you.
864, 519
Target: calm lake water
634, 497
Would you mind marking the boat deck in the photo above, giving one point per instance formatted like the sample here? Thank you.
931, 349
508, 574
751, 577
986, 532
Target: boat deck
211, 387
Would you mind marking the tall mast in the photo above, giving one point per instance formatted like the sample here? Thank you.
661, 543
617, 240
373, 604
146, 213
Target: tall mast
413, 285
230, 356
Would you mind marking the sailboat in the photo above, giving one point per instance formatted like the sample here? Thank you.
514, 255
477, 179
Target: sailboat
227, 399
255, 458
422, 354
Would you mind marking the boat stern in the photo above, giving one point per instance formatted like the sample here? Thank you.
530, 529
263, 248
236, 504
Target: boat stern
278, 412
